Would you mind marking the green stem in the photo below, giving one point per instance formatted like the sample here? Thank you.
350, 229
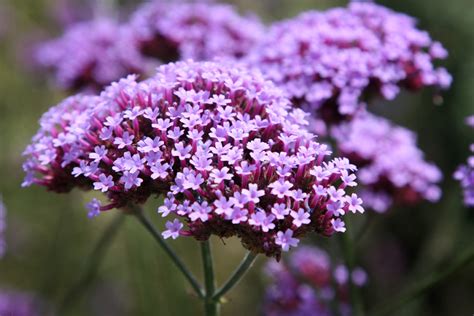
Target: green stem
422, 287
236, 276
349, 258
169, 251
211, 307
95, 259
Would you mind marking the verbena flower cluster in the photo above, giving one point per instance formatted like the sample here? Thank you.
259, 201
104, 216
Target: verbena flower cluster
465, 173
14, 303
200, 31
90, 55
308, 284
392, 168
332, 62
3, 224
221, 143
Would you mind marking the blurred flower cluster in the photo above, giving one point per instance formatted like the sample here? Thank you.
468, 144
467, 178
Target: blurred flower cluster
13, 303
465, 173
310, 283
3, 225
92, 54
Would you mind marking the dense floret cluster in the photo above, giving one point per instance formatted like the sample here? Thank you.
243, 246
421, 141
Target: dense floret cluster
90, 55
221, 143
331, 63
465, 173
200, 31
391, 166
308, 284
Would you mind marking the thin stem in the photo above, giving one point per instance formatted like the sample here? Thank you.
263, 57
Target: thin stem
169, 251
95, 259
349, 258
211, 307
236, 276
422, 287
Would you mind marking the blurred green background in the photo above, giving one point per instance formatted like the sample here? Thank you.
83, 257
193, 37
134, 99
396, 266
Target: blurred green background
50, 237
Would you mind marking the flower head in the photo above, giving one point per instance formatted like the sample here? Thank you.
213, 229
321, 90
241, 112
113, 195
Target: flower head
20, 304
213, 182
200, 31
393, 169
332, 62
90, 55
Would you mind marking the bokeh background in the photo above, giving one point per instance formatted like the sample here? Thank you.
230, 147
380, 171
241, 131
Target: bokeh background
50, 238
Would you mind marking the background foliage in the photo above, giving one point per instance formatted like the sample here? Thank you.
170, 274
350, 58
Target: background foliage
50, 238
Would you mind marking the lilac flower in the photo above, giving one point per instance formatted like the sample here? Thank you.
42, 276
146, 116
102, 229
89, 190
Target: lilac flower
286, 240
247, 184
393, 167
94, 208
104, 184
90, 55
262, 220
331, 63
199, 31
300, 218
252, 193
173, 229
465, 173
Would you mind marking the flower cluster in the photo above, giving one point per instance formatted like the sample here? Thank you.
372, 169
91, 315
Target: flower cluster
331, 63
391, 166
14, 303
90, 55
3, 214
219, 142
200, 31
309, 284
465, 173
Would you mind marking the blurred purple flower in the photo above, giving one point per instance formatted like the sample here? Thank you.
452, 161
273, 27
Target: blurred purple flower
332, 62
13, 303
90, 55
226, 180
307, 284
392, 168
465, 173
200, 31
3, 226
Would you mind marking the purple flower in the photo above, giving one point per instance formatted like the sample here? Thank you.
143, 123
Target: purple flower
286, 240
94, 208
338, 225
16, 303
300, 218
262, 220
199, 31
104, 184
465, 173
331, 63
214, 148
90, 55
393, 167
3, 225
172, 229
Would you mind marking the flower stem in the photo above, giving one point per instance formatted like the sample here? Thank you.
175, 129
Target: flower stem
211, 307
236, 276
95, 259
349, 258
169, 251
423, 286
